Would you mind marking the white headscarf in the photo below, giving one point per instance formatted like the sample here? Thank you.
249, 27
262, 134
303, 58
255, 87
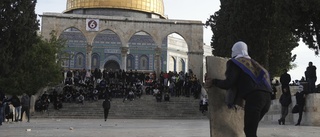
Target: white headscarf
300, 87
240, 49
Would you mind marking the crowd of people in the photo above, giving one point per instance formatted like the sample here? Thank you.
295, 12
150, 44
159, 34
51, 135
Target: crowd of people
13, 108
129, 84
305, 86
87, 86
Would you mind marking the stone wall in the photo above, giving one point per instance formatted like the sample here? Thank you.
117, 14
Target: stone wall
126, 27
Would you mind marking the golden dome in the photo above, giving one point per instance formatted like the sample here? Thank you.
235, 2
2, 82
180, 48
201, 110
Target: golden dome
150, 6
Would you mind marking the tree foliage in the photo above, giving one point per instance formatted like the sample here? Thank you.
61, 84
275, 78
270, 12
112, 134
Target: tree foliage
19, 27
43, 65
307, 22
28, 63
271, 29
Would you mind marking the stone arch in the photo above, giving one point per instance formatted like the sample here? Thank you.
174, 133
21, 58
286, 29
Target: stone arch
111, 57
191, 31
74, 37
142, 36
177, 47
112, 65
118, 31
182, 41
177, 33
59, 32
133, 32
111, 33
76, 41
141, 43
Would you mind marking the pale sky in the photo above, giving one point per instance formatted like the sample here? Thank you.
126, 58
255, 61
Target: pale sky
199, 10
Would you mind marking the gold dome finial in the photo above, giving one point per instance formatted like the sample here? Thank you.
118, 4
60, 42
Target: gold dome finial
150, 6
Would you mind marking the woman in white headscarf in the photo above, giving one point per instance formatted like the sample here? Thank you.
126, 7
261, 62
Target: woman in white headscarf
251, 82
240, 50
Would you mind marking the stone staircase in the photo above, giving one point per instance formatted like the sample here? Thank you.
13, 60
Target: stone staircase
145, 107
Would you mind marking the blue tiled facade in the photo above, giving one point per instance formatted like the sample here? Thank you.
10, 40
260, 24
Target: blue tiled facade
107, 47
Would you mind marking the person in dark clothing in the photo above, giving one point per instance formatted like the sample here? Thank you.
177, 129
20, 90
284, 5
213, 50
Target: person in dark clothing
251, 82
204, 104
300, 98
69, 74
106, 107
2, 100
8, 112
285, 101
166, 97
25, 103
158, 96
311, 77
96, 74
15, 101
57, 104
285, 79
68, 80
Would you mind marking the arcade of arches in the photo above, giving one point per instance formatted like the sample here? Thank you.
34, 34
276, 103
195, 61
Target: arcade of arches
128, 43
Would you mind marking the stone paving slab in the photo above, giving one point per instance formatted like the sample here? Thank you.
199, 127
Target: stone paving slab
136, 128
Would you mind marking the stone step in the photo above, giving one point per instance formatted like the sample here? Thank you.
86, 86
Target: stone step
145, 107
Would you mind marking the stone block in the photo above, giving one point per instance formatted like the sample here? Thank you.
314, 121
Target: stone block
224, 122
311, 114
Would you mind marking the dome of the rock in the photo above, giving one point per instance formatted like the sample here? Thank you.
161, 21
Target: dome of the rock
154, 7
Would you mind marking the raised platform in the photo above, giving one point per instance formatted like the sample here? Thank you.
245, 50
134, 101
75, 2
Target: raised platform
310, 117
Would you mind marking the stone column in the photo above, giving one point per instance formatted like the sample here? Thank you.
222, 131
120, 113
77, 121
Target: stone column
195, 63
88, 57
124, 53
178, 60
224, 122
311, 116
158, 61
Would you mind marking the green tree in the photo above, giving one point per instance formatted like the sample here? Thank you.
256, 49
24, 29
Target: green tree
306, 15
19, 27
265, 25
42, 67
28, 63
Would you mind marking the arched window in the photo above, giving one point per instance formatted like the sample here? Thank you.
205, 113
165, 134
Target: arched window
172, 64
182, 66
65, 61
79, 60
95, 61
130, 63
143, 63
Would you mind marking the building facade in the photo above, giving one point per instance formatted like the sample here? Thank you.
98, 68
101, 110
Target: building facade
126, 35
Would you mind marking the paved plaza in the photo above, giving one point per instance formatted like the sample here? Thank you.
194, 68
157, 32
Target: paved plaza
136, 128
